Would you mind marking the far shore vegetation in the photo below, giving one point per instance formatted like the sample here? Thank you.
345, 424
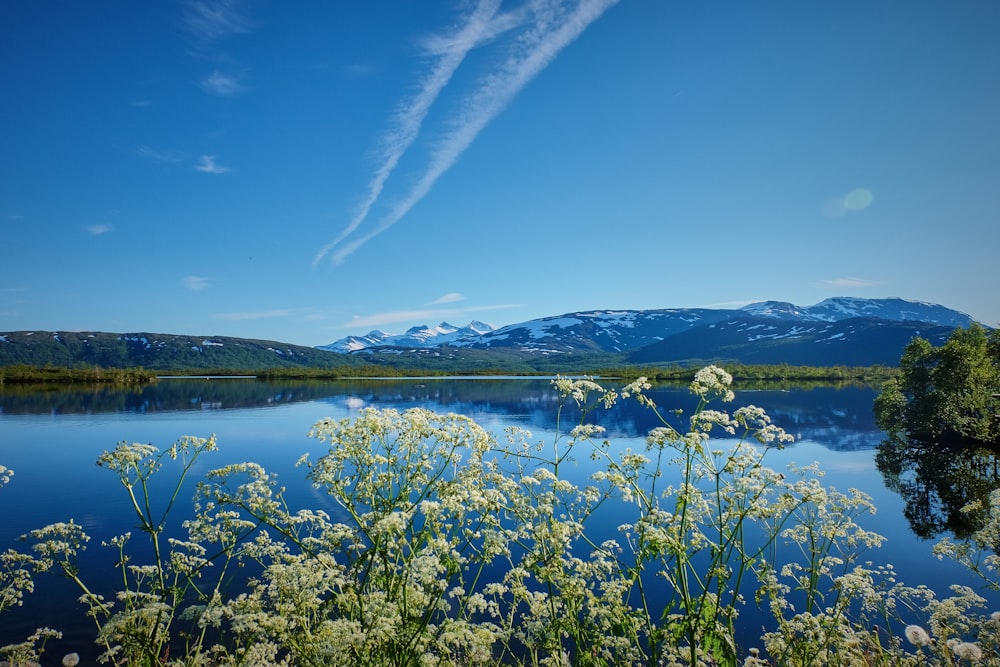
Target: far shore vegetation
54, 375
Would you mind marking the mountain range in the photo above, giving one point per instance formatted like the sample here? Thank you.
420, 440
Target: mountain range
838, 331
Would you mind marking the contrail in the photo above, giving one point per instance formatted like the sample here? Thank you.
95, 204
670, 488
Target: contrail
535, 50
408, 120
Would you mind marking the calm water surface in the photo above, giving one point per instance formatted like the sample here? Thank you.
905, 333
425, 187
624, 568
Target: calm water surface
52, 440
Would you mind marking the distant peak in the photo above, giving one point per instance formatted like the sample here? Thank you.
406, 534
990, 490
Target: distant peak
481, 327
772, 308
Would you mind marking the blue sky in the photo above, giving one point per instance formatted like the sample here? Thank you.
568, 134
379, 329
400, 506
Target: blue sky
304, 171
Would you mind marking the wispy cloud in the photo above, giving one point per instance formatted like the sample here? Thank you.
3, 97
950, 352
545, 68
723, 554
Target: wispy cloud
857, 199
726, 305
209, 22
212, 20
419, 314
206, 164
405, 125
223, 85
545, 28
168, 156
197, 283
100, 228
848, 283
451, 297
259, 315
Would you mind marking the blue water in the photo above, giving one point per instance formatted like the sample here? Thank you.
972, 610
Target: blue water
52, 442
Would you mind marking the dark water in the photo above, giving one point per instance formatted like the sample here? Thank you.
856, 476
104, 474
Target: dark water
51, 440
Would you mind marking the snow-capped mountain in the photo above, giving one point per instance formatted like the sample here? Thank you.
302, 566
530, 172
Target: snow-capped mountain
418, 337
843, 308
597, 330
839, 330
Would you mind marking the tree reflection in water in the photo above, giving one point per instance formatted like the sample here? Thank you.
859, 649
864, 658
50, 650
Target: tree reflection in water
938, 481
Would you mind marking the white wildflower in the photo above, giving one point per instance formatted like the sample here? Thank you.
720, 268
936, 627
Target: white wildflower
917, 635
713, 382
967, 651
704, 421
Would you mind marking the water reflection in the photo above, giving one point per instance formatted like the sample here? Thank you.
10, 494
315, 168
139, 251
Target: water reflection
839, 418
51, 439
936, 480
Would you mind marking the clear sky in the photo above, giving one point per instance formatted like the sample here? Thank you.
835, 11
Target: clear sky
302, 171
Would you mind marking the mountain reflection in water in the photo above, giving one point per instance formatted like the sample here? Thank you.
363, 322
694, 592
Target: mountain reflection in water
839, 418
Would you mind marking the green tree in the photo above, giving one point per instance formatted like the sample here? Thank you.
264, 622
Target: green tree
945, 391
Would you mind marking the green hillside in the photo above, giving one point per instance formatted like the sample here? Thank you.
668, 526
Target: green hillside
166, 352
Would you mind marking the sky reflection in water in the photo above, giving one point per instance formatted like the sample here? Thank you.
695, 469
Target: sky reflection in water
52, 441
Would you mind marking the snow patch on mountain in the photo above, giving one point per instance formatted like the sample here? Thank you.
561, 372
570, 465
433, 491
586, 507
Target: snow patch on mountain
419, 337
542, 328
779, 309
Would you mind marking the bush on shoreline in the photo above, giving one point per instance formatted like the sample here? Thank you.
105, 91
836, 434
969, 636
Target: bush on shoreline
951, 392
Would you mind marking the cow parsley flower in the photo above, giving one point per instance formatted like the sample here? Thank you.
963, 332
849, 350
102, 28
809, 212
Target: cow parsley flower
712, 382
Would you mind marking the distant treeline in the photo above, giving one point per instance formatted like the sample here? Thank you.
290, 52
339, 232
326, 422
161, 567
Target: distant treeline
759, 373
373, 370
740, 373
23, 373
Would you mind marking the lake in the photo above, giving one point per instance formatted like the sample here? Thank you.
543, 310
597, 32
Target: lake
51, 440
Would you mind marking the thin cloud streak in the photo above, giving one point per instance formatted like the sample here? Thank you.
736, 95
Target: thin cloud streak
206, 164
735, 305
451, 297
848, 282
211, 20
196, 283
101, 228
380, 319
168, 157
223, 85
534, 51
409, 119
